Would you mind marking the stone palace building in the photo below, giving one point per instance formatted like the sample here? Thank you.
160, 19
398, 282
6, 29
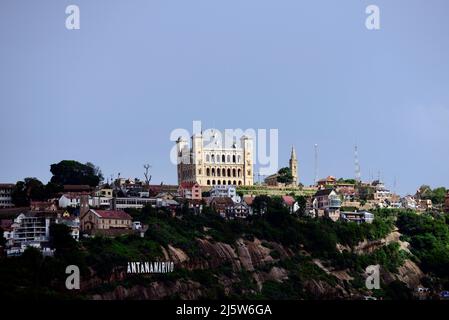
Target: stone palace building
213, 164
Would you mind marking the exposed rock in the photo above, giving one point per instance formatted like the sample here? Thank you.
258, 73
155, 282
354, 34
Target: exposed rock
219, 253
410, 274
253, 254
277, 274
255, 258
369, 246
321, 290
177, 255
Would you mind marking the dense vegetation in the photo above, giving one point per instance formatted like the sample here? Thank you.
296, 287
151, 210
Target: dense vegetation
429, 237
437, 195
32, 275
74, 172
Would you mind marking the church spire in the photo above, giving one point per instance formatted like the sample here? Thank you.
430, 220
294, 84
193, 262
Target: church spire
294, 166
293, 153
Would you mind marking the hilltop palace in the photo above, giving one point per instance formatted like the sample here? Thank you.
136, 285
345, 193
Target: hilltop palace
213, 164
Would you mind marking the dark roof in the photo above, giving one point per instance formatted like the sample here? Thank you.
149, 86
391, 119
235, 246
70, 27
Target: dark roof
195, 201
323, 192
7, 185
222, 201
188, 185
75, 187
113, 214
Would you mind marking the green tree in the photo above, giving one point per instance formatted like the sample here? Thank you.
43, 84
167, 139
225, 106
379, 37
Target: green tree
74, 172
60, 238
260, 204
285, 175
438, 195
28, 190
425, 192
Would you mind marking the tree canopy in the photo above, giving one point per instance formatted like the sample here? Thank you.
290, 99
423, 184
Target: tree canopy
74, 172
437, 195
285, 175
27, 190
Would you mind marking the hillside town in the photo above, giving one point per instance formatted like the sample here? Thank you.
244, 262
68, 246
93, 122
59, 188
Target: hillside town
215, 180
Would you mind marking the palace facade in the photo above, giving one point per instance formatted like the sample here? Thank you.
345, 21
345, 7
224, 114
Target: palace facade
213, 164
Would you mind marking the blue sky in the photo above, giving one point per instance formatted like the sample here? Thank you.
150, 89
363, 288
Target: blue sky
112, 92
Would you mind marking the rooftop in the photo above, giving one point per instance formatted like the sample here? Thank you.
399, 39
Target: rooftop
113, 214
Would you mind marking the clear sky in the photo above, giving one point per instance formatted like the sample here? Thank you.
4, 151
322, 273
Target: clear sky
112, 92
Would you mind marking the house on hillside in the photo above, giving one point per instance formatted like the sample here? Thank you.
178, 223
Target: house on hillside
327, 203
357, 216
43, 206
221, 205
290, 203
105, 219
190, 190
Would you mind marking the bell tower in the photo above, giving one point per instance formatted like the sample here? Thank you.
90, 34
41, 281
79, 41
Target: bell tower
246, 144
294, 166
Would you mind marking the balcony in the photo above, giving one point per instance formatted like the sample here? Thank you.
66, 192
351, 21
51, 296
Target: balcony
334, 203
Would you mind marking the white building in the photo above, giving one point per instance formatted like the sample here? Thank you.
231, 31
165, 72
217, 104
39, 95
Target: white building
357, 216
100, 202
69, 200
74, 201
28, 230
214, 164
136, 203
225, 191
382, 196
409, 202
326, 202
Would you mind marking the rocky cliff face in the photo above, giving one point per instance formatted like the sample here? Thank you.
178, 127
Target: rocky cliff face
243, 256
256, 259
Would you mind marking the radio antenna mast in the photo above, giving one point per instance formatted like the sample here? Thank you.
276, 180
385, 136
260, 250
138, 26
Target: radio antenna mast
316, 163
357, 165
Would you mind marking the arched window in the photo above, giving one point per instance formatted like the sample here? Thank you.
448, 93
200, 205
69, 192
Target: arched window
239, 159
219, 182
208, 182
207, 158
218, 172
223, 158
229, 172
233, 173
229, 182
213, 158
223, 172
218, 158
235, 183
228, 158
233, 158
213, 172
239, 172
240, 182
213, 182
